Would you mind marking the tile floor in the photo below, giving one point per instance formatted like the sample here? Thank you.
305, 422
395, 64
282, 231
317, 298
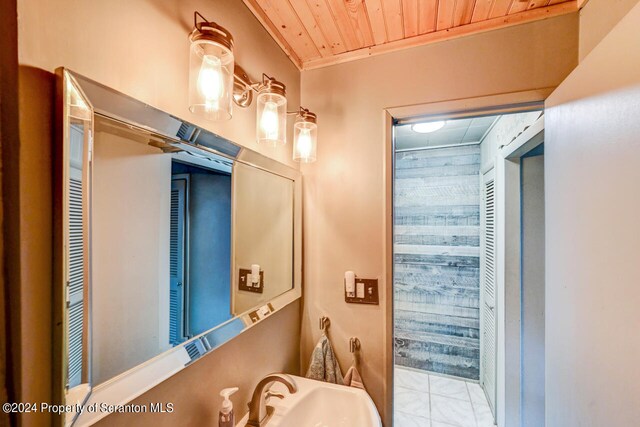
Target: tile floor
427, 400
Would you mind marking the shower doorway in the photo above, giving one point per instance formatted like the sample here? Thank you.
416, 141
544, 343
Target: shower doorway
445, 303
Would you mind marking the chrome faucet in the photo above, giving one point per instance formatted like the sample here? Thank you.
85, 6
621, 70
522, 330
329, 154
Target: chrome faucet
259, 412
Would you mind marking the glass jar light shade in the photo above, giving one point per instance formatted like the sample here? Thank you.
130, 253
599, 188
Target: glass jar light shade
271, 119
210, 80
305, 136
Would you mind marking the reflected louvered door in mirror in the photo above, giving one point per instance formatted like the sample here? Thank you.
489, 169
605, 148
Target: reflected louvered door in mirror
488, 340
73, 238
177, 247
76, 247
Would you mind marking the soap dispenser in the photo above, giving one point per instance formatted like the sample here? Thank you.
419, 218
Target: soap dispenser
226, 417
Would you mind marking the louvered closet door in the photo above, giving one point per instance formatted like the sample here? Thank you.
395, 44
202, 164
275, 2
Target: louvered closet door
176, 261
488, 315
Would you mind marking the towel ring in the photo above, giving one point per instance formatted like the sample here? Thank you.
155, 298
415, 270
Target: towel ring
324, 323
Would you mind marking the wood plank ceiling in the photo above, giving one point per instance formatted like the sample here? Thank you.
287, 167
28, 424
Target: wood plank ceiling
318, 33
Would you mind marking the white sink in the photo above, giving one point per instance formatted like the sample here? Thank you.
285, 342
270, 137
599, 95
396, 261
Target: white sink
319, 404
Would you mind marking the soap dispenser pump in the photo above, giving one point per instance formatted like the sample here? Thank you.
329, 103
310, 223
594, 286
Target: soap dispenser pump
226, 417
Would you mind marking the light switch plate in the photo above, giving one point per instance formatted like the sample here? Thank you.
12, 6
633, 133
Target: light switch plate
370, 292
245, 285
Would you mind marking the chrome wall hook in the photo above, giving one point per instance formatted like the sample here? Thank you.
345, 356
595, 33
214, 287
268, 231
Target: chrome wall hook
324, 323
354, 344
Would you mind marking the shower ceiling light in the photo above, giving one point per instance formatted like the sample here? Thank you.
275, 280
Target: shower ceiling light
428, 127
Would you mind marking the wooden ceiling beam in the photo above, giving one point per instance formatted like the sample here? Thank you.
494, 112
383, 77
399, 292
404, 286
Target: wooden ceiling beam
451, 33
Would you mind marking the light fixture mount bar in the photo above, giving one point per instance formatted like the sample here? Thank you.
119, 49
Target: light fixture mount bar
243, 87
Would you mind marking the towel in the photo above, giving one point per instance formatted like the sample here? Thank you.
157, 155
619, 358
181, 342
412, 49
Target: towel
353, 378
324, 363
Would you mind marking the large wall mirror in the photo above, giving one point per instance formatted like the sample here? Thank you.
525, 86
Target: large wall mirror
171, 241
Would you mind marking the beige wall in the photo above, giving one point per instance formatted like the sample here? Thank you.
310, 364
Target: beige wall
141, 49
36, 92
597, 18
344, 201
130, 251
592, 273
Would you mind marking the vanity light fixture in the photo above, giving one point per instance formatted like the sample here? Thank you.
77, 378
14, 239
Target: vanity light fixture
271, 118
211, 70
428, 127
215, 80
305, 136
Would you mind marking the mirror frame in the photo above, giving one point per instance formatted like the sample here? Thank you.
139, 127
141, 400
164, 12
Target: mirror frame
176, 132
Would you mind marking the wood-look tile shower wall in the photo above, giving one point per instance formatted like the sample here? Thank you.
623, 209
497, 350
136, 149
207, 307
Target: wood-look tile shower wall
437, 260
